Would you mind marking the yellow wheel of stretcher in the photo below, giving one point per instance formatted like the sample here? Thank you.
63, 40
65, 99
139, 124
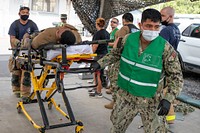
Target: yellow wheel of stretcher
79, 128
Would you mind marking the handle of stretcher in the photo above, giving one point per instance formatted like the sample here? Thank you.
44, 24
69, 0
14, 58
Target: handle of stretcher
78, 70
53, 46
57, 46
95, 42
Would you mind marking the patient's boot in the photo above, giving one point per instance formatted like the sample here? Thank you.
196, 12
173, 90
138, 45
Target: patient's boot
110, 105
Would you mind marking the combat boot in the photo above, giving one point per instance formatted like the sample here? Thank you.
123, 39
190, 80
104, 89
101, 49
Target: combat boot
110, 105
109, 91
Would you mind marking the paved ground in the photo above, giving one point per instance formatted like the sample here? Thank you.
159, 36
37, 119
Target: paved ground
90, 111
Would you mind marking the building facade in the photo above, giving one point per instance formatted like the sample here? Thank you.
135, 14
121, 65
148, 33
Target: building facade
42, 12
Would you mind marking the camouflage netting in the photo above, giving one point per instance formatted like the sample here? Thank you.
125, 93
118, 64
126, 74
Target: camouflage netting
89, 10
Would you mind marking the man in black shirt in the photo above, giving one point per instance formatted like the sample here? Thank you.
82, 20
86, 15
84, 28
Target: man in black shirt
21, 82
170, 32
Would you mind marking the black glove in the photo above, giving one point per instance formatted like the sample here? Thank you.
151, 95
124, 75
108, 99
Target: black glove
95, 66
163, 107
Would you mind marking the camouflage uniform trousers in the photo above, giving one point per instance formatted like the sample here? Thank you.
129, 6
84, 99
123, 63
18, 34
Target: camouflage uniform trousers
128, 106
113, 76
20, 81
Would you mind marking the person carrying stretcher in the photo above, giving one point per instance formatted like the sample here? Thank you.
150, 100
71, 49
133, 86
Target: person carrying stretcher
66, 34
20, 78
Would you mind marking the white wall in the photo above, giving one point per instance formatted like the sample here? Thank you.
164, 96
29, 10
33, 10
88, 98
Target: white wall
9, 12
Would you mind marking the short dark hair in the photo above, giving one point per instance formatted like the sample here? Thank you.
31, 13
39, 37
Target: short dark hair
152, 14
128, 17
67, 37
24, 8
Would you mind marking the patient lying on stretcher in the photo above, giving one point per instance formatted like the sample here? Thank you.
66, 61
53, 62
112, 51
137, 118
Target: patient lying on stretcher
66, 34
57, 35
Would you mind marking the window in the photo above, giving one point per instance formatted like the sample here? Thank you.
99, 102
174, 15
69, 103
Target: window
192, 31
195, 31
45, 5
186, 32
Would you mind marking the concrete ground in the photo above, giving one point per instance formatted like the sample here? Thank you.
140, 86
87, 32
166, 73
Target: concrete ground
90, 111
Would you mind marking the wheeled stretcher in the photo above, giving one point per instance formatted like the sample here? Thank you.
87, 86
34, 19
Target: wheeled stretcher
59, 65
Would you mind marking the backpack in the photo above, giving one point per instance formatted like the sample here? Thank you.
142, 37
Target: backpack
132, 28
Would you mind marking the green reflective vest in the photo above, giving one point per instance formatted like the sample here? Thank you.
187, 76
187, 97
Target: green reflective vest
60, 24
112, 36
140, 75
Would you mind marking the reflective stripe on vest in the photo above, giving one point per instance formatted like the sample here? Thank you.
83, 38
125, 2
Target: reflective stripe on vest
140, 65
137, 82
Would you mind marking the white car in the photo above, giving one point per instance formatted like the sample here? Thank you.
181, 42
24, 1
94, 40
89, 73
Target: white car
189, 45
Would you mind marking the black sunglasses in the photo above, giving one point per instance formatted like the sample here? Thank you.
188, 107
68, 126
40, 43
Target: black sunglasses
114, 22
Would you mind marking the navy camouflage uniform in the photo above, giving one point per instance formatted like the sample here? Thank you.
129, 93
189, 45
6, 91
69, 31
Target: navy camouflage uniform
128, 106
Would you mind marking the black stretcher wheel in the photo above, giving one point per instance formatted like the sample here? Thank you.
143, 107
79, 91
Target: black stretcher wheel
42, 130
50, 105
19, 109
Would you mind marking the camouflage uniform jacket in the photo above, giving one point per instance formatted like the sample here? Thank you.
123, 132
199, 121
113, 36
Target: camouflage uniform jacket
171, 71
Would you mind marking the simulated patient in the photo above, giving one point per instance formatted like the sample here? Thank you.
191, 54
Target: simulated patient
66, 34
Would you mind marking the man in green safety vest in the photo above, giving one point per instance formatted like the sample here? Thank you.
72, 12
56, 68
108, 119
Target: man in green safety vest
146, 59
113, 23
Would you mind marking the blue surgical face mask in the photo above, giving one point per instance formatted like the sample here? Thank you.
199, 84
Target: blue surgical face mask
150, 35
